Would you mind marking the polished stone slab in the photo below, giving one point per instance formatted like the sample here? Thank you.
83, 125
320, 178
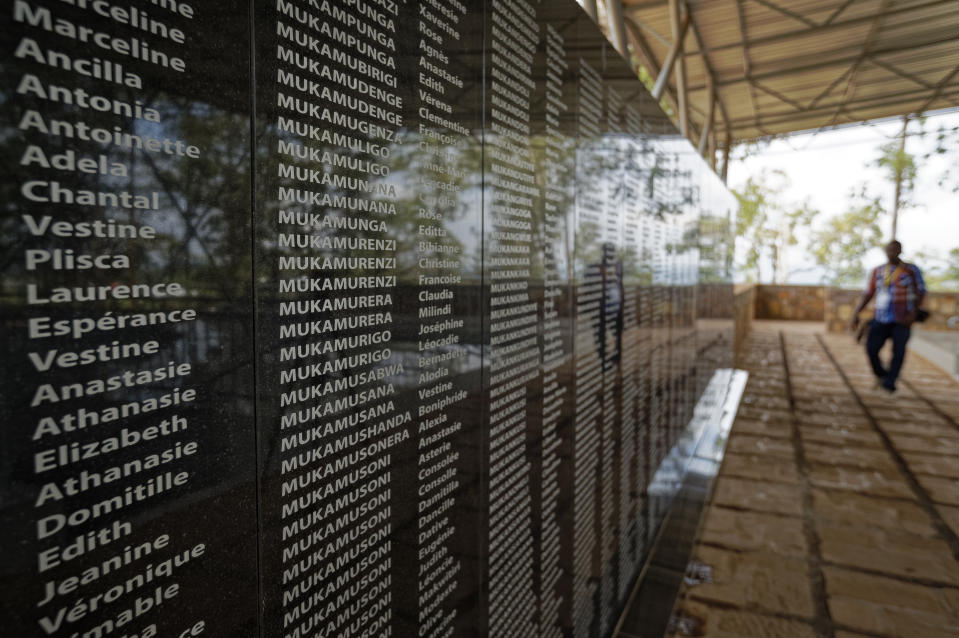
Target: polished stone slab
344, 318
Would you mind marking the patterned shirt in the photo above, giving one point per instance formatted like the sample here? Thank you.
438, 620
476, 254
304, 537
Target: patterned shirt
895, 289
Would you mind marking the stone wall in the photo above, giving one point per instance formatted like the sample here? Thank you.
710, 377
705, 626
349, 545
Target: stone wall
839, 307
840, 304
819, 303
942, 306
714, 301
744, 303
801, 303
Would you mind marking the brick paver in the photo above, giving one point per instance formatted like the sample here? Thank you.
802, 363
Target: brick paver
753, 531
861, 457
697, 619
761, 445
861, 510
771, 427
951, 516
944, 445
836, 511
755, 581
941, 489
888, 550
839, 435
846, 421
889, 484
755, 466
890, 607
757, 495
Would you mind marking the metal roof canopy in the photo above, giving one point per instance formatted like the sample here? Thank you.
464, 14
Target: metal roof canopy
739, 70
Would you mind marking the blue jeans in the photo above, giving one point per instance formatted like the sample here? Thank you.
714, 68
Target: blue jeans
878, 334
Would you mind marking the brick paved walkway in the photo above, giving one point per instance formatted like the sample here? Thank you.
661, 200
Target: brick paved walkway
836, 511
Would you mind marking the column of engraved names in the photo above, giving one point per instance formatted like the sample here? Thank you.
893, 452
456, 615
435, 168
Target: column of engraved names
658, 398
514, 348
555, 351
666, 305
673, 297
689, 270
588, 375
108, 435
646, 161
651, 241
630, 457
676, 363
689, 291
338, 112
648, 157
440, 257
677, 298
613, 205
678, 328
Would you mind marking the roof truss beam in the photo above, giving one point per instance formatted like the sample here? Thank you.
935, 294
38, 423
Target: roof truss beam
897, 71
747, 62
787, 13
892, 12
675, 49
645, 52
823, 64
874, 28
805, 66
707, 123
617, 28
887, 100
839, 10
708, 65
939, 90
591, 9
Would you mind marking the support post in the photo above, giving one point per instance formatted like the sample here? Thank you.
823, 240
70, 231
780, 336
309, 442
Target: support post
679, 35
617, 26
708, 123
712, 151
729, 142
662, 80
590, 7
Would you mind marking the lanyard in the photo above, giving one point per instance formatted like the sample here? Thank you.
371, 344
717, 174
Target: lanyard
890, 277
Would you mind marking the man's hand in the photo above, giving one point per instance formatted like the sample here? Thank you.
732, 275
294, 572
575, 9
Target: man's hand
910, 318
866, 296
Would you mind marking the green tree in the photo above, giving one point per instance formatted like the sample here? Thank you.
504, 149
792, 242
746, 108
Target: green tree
840, 246
768, 224
946, 142
713, 237
939, 273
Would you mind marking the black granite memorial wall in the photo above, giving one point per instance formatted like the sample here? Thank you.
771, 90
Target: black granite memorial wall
341, 318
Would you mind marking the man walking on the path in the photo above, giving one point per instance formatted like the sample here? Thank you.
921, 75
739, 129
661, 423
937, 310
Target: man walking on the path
899, 291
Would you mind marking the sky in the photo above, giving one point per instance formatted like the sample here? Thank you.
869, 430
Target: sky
825, 167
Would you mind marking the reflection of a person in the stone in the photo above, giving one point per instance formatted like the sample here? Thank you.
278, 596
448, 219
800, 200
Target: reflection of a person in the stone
611, 311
